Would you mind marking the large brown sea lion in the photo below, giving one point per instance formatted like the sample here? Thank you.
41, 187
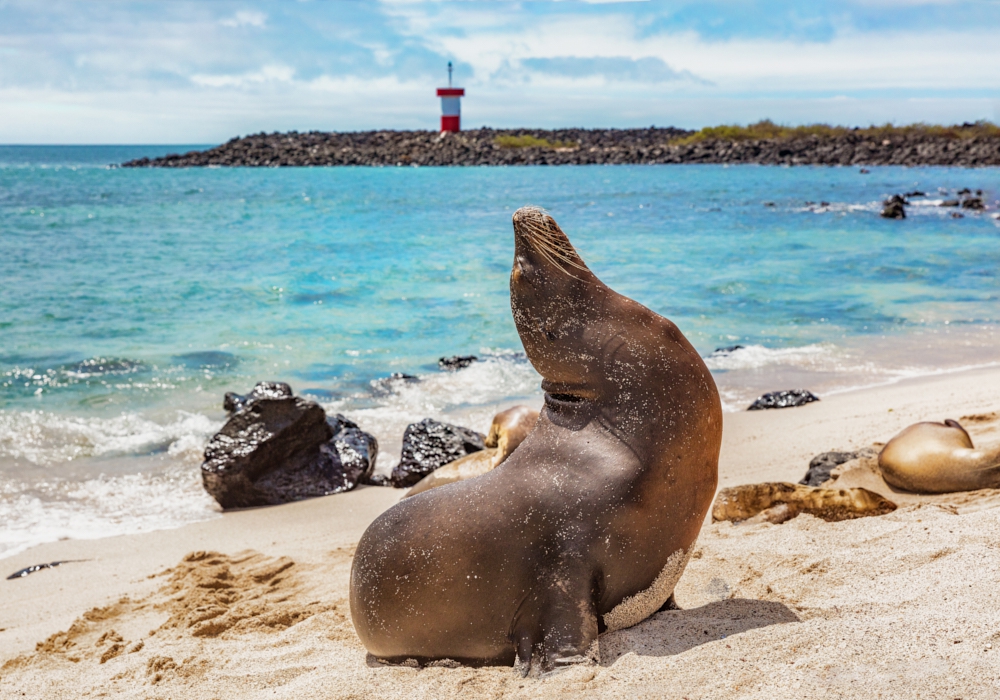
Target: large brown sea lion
938, 458
589, 524
507, 430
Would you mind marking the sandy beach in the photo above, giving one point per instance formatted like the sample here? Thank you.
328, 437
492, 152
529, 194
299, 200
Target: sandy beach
254, 604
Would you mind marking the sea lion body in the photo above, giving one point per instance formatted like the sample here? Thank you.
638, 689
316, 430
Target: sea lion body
507, 431
938, 458
588, 525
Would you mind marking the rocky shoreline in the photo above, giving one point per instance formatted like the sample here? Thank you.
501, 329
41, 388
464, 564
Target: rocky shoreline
904, 146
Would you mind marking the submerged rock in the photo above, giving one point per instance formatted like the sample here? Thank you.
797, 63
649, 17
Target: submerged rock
783, 399
728, 350
278, 448
393, 383
894, 208
430, 444
456, 362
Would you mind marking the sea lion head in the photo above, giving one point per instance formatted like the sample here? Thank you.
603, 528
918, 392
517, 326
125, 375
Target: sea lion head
554, 299
593, 347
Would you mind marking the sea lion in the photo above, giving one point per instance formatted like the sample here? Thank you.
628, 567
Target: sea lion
589, 524
938, 458
776, 502
507, 431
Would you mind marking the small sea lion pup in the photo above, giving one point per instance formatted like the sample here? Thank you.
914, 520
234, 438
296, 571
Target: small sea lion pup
938, 458
507, 432
588, 525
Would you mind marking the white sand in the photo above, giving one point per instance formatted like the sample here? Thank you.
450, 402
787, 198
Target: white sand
904, 605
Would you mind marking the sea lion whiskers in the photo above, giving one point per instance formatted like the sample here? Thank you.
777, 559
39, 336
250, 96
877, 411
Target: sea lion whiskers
557, 250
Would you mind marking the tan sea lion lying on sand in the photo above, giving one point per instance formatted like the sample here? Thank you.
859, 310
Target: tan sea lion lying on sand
777, 502
507, 431
938, 458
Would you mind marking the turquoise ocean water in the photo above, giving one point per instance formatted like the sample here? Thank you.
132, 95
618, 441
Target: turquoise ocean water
131, 300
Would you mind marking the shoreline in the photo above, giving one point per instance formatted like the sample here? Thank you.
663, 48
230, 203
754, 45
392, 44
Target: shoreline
319, 534
904, 146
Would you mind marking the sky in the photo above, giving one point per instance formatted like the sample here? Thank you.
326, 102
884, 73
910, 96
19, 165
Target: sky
204, 71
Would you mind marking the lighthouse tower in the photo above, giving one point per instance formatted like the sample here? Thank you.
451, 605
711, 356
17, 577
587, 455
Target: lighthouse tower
451, 105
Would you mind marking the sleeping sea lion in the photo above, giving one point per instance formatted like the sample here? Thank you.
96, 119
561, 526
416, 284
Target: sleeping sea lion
589, 524
938, 458
507, 431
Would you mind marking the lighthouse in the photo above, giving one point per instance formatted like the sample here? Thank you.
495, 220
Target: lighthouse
451, 105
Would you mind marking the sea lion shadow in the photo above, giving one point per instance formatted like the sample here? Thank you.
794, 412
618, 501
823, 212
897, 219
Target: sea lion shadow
673, 632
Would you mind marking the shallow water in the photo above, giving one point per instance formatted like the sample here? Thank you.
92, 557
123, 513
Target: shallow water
133, 299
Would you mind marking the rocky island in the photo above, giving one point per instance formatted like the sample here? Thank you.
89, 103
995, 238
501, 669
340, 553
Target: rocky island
765, 143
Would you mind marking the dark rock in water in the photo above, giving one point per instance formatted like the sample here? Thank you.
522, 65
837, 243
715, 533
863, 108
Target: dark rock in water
821, 465
949, 203
974, 203
783, 399
428, 445
893, 208
727, 350
864, 171
456, 362
964, 190
915, 193
263, 390
277, 448
956, 215
392, 383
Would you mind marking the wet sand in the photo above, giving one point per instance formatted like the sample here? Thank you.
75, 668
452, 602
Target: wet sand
254, 604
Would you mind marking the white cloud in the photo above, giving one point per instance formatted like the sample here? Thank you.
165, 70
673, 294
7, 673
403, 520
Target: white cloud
267, 74
245, 18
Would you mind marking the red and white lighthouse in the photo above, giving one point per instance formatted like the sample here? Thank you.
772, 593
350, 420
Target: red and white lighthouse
451, 105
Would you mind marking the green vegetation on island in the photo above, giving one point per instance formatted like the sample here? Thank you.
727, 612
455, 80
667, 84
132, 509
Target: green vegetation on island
767, 130
529, 141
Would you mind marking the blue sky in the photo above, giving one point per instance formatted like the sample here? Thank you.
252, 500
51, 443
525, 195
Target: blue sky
177, 71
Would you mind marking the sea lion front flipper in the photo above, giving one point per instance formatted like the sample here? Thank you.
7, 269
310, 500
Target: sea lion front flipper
569, 626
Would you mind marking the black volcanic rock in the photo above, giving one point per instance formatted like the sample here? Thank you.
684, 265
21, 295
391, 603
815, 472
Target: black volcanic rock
353, 451
233, 402
783, 399
456, 362
973, 203
821, 465
277, 448
893, 208
430, 444
580, 147
729, 349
